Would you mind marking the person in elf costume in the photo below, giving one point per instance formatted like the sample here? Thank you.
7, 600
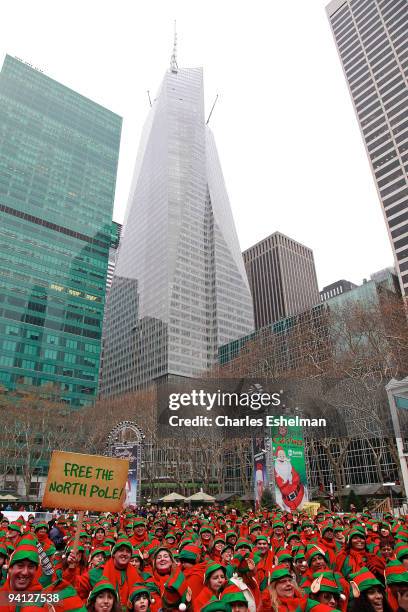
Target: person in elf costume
368, 593
282, 594
103, 598
355, 555
193, 568
22, 574
326, 589
140, 599
214, 582
328, 544
118, 571
396, 580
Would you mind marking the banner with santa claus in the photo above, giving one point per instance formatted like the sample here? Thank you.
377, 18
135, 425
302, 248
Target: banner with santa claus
259, 471
289, 467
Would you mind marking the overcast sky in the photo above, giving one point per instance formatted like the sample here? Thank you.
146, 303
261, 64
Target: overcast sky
288, 140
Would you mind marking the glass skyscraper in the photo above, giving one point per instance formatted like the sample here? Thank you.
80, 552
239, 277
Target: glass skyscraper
180, 288
58, 161
371, 38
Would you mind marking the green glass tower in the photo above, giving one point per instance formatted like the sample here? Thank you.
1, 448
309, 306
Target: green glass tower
58, 162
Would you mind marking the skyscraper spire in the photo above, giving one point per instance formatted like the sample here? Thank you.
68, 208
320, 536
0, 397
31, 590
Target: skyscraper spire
173, 61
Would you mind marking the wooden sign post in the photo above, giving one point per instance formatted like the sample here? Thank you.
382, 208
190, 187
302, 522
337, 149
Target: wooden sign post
85, 482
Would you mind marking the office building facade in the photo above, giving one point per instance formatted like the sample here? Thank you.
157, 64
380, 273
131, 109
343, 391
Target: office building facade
337, 288
58, 161
371, 38
113, 253
282, 277
180, 288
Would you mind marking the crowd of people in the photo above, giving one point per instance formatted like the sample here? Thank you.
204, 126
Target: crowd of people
205, 560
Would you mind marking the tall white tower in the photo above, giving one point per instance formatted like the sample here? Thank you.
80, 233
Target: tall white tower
180, 288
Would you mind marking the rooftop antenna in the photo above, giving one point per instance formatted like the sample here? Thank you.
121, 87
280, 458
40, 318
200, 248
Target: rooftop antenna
215, 101
173, 61
148, 95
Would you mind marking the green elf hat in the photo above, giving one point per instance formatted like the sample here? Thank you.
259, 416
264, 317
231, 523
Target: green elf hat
261, 538
230, 533
395, 573
102, 585
299, 556
98, 551
211, 568
327, 527
292, 535
401, 535
255, 526
170, 535
122, 542
206, 529
356, 531
40, 526
326, 582
278, 572
14, 526
139, 520
243, 543
278, 524
139, 589
233, 594
401, 552
190, 553
227, 547
26, 550
312, 551
282, 556
175, 591
216, 605
363, 580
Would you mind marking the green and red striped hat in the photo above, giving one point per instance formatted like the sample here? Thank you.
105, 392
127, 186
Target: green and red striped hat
190, 552
325, 582
312, 551
122, 542
26, 549
102, 585
211, 568
40, 526
233, 594
283, 555
363, 580
216, 605
175, 591
395, 573
15, 526
243, 543
278, 572
138, 589
401, 551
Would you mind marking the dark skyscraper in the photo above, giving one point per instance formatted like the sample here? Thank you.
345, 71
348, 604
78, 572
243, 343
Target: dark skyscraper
371, 38
282, 277
58, 161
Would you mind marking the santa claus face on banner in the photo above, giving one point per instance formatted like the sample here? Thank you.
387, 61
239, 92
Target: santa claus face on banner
283, 467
